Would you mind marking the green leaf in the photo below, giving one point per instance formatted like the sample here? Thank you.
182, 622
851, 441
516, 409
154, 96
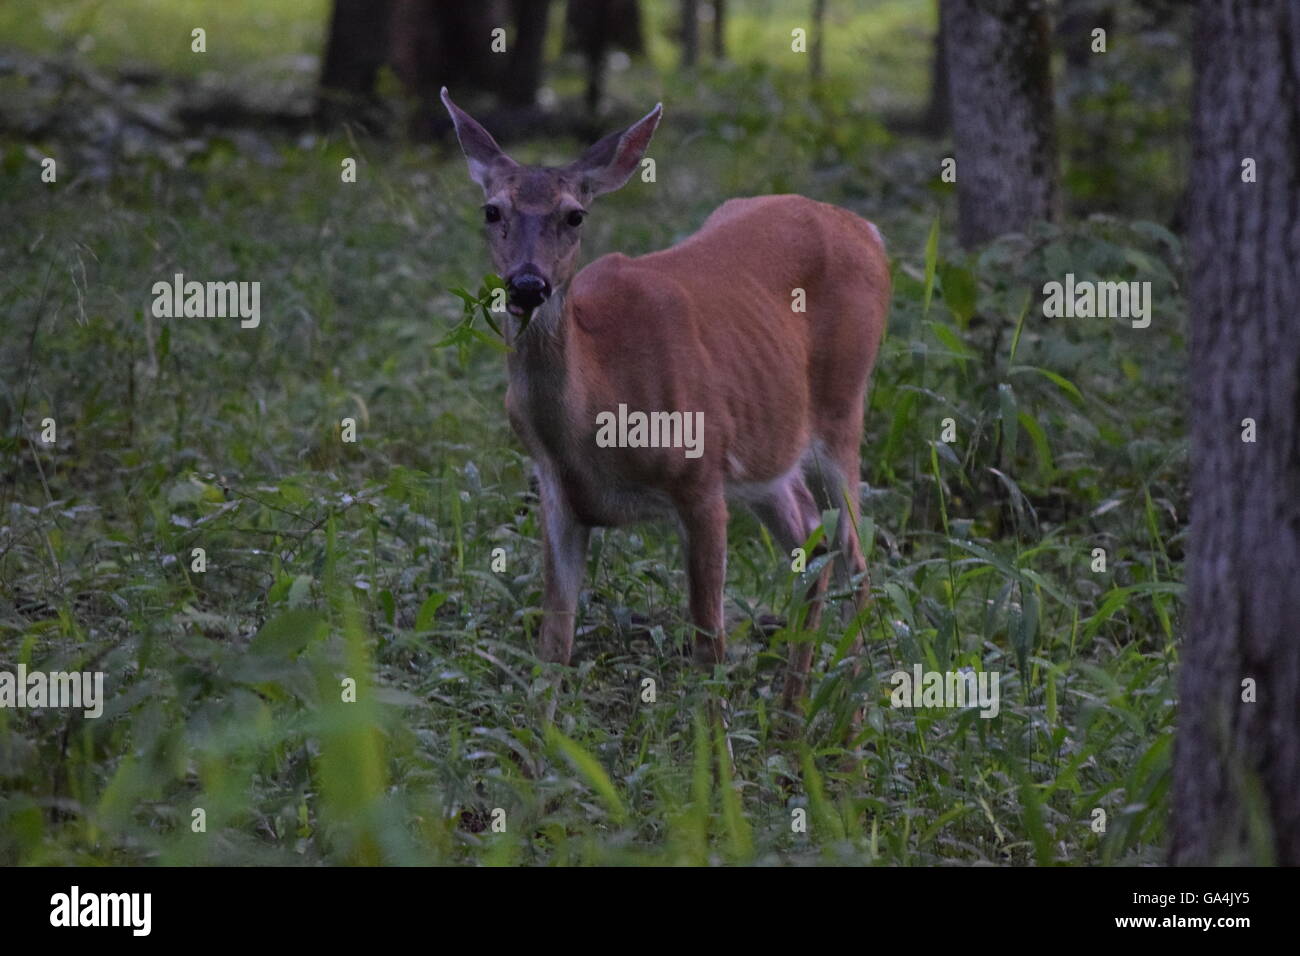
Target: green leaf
1010, 418
1060, 381
931, 261
826, 822
960, 291
425, 617
949, 338
740, 840
1117, 598
1042, 451
288, 634
460, 335
1026, 632
589, 769
486, 339
300, 590
492, 323
1020, 325
900, 426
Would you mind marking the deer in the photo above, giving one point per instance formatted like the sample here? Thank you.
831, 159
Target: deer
709, 327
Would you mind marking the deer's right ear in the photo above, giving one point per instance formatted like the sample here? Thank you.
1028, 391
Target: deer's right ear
481, 151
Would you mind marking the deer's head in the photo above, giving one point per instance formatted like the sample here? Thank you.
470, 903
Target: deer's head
533, 215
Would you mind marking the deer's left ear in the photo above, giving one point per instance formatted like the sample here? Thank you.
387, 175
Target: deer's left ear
481, 151
611, 162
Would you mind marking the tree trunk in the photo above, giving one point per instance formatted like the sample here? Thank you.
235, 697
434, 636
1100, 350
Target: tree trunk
592, 28
1093, 149
1074, 31
357, 46
817, 38
434, 43
463, 55
1236, 784
524, 76
938, 113
594, 42
719, 29
690, 33
1000, 85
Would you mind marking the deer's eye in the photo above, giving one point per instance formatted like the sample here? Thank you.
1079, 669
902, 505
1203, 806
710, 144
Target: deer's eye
575, 218
491, 214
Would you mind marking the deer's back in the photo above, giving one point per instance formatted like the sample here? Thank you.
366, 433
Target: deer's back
734, 288
709, 325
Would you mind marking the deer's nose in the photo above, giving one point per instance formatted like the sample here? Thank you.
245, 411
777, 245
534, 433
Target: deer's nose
527, 289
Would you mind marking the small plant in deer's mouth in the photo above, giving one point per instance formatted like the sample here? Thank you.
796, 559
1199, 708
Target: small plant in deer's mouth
471, 307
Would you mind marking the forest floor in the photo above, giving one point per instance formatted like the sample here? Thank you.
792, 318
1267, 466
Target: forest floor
1043, 543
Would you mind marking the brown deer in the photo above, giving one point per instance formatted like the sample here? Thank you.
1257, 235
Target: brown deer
767, 321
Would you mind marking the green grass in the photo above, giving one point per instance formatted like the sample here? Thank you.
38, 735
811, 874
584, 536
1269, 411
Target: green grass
373, 560
241, 34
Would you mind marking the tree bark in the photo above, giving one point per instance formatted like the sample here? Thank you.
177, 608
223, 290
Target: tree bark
817, 38
1094, 146
1236, 782
592, 28
690, 33
524, 75
427, 42
1078, 18
357, 46
1000, 85
938, 112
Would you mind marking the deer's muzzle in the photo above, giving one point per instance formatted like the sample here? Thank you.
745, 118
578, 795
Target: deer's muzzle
526, 290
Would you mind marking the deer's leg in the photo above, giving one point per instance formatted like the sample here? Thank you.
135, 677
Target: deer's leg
564, 556
855, 562
836, 485
856, 565
704, 529
791, 514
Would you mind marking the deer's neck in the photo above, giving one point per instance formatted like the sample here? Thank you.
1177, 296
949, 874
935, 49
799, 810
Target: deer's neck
538, 344
541, 390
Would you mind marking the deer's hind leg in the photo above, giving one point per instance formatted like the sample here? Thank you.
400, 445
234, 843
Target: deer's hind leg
835, 473
790, 512
833, 476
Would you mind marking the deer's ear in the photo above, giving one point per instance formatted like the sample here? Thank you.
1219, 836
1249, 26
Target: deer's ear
611, 162
481, 151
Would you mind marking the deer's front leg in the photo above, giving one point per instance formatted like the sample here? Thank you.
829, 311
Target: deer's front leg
704, 527
564, 556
